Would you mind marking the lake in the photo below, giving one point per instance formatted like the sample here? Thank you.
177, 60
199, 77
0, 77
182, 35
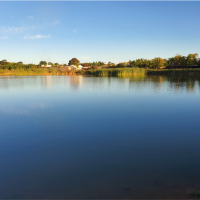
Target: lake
79, 137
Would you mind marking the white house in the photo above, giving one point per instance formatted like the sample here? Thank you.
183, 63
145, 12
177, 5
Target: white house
75, 67
80, 66
46, 65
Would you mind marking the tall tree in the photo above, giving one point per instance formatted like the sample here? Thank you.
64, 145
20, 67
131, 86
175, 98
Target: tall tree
43, 63
177, 59
109, 63
192, 59
121, 65
85, 64
159, 62
4, 62
100, 63
74, 61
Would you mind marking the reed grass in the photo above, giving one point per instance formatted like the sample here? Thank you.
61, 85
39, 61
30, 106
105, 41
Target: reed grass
60, 71
99, 72
35, 71
188, 72
118, 71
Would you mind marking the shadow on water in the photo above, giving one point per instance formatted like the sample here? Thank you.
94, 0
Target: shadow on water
99, 137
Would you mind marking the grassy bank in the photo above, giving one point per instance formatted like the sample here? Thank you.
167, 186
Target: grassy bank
60, 71
117, 71
36, 71
99, 72
187, 72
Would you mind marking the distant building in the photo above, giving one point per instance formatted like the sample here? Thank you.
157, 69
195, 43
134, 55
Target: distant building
45, 65
75, 67
128, 64
68, 67
80, 67
86, 67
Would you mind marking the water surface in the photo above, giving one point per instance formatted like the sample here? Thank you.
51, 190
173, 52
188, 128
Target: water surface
99, 137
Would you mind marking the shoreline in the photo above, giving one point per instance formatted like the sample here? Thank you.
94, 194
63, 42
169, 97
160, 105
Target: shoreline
100, 72
174, 72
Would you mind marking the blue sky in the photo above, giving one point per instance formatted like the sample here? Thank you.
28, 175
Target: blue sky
97, 31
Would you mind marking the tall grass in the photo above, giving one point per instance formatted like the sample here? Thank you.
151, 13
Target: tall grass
188, 72
35, 71
60, 71
99, 72
118, 71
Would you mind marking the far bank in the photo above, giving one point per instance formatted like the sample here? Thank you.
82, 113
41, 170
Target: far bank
99, 72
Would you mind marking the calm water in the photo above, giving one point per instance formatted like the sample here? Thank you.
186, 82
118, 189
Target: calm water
99, 137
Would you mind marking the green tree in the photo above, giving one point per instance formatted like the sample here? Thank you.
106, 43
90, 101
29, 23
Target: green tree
177, 59
100, 63
85, 64
4, 62
109, 63
150, 64
121, 65
50, 63
43, 63
171, 61
159, 62
192, 59
183, 61
76, 64
74, 61
138, 63
94, 64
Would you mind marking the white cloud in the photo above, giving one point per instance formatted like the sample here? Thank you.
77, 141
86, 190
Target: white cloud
12, 30
30, 17
36, 37
5, 38
56, 22
75, 31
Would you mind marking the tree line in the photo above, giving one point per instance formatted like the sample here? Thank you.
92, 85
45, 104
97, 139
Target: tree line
190, 60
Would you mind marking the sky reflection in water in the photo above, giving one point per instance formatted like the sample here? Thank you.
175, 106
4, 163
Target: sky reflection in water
99, 137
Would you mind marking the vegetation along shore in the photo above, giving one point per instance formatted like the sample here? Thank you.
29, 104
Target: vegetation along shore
178, 65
